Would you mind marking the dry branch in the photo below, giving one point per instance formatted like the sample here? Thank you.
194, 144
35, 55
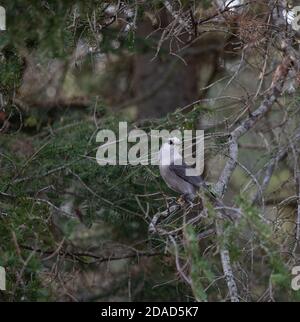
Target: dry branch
273, 94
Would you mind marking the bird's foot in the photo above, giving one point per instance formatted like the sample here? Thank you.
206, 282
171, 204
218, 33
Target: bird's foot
180, 201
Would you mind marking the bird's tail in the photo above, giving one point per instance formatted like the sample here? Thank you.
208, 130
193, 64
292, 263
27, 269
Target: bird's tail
209, 189
213, 197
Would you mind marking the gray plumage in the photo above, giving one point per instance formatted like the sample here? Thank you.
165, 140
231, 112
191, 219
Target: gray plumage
173, 171
175, 175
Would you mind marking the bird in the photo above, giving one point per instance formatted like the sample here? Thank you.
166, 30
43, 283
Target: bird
173, 171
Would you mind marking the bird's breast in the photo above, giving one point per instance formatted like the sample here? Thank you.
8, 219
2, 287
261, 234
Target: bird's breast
174, 182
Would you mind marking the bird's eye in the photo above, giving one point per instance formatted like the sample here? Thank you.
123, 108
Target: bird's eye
171, 142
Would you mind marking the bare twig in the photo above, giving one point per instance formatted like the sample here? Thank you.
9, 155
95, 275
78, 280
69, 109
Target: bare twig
274, 92
221, 186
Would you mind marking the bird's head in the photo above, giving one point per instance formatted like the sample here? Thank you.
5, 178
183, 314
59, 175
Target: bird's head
170, 151
174, 141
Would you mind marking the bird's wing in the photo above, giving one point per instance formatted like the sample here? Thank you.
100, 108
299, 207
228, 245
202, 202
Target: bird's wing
180, 171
